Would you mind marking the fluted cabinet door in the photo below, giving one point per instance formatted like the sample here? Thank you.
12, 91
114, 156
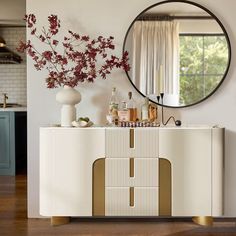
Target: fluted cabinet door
128, 142
119, 201
189, 151
66, 167
129, 172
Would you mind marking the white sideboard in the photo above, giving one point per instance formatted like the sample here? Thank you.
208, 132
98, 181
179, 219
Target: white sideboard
99, 171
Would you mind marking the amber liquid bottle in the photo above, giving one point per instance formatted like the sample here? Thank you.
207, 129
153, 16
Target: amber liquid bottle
132, 107
123, 112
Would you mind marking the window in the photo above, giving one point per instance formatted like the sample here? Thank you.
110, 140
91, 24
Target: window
203, 59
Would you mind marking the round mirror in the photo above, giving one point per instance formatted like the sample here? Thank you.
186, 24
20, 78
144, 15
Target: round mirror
179, 53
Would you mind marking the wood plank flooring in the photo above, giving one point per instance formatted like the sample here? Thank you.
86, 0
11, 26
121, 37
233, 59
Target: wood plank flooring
14, 222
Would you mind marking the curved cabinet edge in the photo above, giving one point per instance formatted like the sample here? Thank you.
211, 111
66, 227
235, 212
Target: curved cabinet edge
218, 138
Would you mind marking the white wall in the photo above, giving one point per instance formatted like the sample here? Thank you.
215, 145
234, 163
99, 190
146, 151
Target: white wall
112, 17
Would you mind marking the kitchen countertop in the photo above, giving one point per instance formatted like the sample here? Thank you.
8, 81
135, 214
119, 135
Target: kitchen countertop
14, 109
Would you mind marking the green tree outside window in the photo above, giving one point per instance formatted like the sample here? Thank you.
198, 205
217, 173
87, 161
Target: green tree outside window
203, 59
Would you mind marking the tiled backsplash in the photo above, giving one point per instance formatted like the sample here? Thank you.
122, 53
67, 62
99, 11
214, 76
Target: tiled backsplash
13, 76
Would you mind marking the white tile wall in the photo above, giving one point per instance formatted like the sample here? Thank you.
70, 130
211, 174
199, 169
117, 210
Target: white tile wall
13, 76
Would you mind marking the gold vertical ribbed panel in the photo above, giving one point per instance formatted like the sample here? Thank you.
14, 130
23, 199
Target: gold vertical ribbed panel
59, 220
99, 187
131, 196
131, 138
165, 187
131, 167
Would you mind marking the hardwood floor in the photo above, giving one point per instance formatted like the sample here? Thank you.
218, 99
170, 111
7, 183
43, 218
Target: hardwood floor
13, 220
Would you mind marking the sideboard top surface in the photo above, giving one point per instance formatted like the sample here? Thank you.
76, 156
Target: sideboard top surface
144, 128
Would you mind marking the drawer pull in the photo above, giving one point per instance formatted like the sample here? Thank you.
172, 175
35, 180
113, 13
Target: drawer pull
131, 138
131, 167
131, 196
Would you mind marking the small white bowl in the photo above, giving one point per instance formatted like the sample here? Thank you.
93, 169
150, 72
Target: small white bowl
82, 123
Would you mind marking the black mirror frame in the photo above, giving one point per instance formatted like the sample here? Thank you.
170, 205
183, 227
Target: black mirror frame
223, 29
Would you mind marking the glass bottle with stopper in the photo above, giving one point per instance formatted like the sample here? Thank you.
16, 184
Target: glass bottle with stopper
144, 110
132, 108
148, 111
113, 108
152, 112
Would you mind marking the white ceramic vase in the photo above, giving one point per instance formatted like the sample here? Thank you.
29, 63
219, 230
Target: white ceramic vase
68, 97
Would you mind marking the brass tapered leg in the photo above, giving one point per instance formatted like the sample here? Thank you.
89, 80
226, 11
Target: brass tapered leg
203, 220
59, 220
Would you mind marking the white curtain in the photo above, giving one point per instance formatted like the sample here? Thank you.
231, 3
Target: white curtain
156, 56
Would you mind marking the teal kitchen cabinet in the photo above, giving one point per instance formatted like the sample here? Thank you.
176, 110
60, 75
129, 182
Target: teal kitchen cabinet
10, 149
7, 143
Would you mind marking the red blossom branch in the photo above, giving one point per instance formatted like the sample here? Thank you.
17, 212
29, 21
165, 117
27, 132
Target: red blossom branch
76, 64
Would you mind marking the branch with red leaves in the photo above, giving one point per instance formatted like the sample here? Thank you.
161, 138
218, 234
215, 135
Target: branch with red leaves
82, 59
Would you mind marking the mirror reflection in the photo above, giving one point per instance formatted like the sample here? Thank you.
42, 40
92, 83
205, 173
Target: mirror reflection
178, 49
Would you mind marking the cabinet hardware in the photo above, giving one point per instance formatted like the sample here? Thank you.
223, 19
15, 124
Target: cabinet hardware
131, 138
131, 196
131, 167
